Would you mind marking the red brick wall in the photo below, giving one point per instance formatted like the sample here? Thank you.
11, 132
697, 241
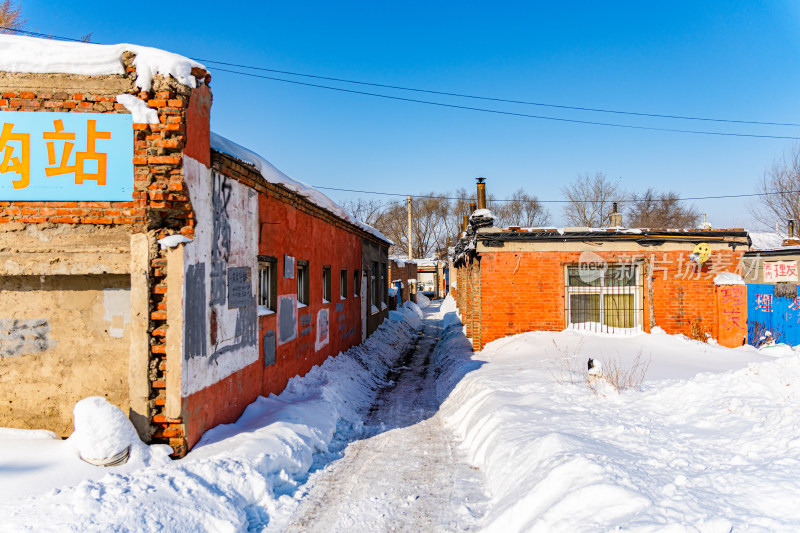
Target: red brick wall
524, 291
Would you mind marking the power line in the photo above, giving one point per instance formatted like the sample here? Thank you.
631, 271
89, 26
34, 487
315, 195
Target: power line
510, 113
719, 197
483, 110
504, 100
43, 35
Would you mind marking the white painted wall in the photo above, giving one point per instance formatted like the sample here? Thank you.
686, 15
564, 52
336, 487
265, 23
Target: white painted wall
236, 335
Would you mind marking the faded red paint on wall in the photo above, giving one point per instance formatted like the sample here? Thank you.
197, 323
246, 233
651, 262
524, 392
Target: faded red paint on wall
198, 126
506, 293
221, 403
732, 315
287, 231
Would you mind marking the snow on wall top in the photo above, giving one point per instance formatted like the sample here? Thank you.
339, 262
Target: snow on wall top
273, 175
46, 56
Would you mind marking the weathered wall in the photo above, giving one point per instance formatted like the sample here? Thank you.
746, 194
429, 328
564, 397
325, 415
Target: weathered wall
159, 205
371, 251
524, 291
403, 273
62, 338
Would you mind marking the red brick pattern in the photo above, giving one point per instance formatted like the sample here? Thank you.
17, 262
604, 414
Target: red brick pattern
505, 293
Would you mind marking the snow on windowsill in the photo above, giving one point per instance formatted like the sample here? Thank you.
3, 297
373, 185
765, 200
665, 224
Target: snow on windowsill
383, 305
264, 311
324, 301
301, 304
374, 309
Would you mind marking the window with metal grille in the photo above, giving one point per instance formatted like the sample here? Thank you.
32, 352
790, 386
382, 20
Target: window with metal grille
604, 297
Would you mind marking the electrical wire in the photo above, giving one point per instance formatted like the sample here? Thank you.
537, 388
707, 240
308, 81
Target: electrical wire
479, 109
511, 113
504, 100
622, 201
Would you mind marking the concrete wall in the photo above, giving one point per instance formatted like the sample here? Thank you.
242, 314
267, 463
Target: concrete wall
62, 338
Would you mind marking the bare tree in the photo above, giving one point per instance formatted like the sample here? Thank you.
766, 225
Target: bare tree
652, 209
521, 209
779, 189
367, 211
590, 199
10, 17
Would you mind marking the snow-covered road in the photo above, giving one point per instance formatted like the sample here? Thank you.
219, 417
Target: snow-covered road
405, 474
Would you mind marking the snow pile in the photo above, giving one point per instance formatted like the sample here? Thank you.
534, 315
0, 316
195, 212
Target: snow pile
101, 430
173, 240
239, 474
728, 278
273, 175
765, 240
710, 441
142, 113
422, 300
47, 56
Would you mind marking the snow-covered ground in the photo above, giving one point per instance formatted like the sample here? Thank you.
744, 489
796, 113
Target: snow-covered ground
709, 442
513, 438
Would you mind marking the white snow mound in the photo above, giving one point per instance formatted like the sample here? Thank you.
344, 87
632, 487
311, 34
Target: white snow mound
101, 430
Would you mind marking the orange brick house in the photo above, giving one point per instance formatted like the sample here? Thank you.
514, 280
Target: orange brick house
619, 280
149, 261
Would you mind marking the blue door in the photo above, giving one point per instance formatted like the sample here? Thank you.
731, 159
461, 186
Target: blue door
767, 312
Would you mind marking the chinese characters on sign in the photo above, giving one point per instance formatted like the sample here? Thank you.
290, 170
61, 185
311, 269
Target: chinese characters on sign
780, 271
66, 156
732, 304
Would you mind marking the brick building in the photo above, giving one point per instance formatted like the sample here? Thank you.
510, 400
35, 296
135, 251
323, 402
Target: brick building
152, 262
516, 280
433, 276
403, 278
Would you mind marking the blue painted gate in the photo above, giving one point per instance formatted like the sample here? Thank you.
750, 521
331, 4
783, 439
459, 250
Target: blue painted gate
767, 312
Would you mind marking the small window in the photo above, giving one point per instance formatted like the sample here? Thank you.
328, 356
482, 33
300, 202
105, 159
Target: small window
384, 284
357, 283
302, 282
376, 288
267, 283
343, 284
326, 284
604, 299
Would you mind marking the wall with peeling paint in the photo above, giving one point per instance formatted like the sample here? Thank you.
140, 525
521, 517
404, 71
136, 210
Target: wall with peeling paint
62, 338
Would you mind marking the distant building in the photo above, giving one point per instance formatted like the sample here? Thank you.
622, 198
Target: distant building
403, 279
432, 275
513, 280
771, 273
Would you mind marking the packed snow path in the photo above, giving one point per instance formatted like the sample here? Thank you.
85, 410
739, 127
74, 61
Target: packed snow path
406, 475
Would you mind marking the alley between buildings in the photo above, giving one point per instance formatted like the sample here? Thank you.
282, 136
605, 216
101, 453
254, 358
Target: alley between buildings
405, 475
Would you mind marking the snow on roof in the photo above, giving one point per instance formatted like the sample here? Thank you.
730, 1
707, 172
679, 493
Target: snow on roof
47, 56
273, 175
765, 240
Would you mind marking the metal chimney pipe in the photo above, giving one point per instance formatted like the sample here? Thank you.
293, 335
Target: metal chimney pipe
472, 207
481, 193
466, 223
791, 229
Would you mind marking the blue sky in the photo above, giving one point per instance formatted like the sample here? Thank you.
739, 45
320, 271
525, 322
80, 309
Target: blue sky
734, 60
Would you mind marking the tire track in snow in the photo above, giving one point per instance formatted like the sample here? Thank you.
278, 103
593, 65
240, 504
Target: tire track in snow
406, 475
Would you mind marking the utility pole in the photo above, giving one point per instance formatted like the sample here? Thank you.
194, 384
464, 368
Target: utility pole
410, 254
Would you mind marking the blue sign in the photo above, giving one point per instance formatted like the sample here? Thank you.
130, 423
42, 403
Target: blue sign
66, 156
768, 312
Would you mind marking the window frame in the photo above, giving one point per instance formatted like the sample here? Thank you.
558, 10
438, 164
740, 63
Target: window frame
326, 284
301, 273
269, 265
357, 283
603, 291
343, 284
374, 285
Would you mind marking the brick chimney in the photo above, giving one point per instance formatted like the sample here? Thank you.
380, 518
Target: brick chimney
791, 240
616, 217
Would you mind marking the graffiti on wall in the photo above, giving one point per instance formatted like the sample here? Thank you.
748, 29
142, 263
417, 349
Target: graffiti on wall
221, 238
22, 337
322, 329
732, 307
287, 318
194, 327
